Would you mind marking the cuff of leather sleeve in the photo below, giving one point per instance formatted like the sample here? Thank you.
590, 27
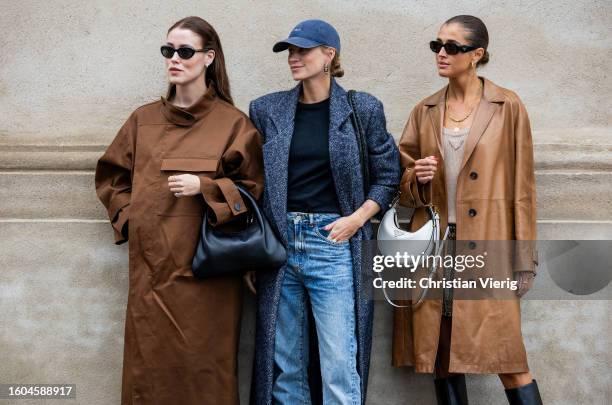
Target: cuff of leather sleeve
413, 192
526, 260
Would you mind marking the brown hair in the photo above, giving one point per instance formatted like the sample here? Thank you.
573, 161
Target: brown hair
335, 69
216, 74
478, 35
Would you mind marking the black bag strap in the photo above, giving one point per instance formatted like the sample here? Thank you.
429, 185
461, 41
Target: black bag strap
361, 142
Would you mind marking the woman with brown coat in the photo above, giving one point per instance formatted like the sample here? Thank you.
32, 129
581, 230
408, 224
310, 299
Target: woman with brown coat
469, 147
172, 159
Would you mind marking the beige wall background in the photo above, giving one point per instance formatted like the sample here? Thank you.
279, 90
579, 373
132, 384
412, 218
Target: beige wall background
72, 72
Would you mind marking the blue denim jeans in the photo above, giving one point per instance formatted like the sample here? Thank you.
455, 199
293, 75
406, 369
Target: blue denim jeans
322, 271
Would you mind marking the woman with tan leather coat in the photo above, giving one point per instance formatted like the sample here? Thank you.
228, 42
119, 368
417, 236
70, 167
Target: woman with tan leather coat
469, 147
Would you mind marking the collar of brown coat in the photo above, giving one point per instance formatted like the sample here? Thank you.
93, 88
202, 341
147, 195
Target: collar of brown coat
491, 93
187, 116
492, 97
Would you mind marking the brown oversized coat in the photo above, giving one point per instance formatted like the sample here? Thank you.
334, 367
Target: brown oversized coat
181, 333
495, 201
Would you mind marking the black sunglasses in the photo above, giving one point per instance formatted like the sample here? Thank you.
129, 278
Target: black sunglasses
450, 47
184, 52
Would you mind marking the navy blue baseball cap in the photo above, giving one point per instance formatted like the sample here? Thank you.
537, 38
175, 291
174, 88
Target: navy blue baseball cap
310, 33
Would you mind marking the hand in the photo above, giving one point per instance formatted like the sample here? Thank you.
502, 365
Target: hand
249, 278
184, 185
525, 282
425, 169
343, 228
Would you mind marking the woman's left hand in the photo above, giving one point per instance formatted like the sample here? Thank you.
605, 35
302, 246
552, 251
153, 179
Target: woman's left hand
343, 228
184, 185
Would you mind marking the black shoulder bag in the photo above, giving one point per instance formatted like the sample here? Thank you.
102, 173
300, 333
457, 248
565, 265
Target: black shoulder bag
255, 247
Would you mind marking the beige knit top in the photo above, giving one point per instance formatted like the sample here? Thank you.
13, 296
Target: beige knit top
453, 144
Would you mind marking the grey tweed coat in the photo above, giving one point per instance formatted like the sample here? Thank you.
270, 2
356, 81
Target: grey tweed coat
274, 116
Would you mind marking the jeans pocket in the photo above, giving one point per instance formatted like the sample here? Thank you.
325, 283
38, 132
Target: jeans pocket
323, 234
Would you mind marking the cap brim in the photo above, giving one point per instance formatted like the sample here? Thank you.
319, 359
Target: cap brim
295, 41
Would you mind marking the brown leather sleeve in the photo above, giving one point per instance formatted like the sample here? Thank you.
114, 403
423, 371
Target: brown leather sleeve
526, 255
113, 178
412, 192
241, 163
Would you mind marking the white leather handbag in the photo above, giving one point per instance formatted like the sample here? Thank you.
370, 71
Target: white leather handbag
424, 241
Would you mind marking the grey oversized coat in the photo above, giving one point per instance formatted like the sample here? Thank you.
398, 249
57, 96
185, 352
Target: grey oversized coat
274, 115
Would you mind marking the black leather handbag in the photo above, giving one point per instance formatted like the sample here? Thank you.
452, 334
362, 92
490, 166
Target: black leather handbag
256, 247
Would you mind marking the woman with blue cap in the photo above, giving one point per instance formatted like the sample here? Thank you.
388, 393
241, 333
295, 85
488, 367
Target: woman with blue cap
314, 194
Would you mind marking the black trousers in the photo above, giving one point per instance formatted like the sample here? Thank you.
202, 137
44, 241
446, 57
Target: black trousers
443, 355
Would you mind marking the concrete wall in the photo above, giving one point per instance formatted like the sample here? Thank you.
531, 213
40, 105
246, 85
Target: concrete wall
71, 73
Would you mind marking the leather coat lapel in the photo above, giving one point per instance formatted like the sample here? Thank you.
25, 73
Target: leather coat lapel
486, 108
484, 113
436, 115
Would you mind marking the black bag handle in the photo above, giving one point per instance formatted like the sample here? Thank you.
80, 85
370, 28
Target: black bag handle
361, 142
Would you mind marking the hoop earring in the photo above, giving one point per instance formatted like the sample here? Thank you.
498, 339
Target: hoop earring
326, 68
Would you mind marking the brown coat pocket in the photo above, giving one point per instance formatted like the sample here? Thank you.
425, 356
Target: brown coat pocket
184, 206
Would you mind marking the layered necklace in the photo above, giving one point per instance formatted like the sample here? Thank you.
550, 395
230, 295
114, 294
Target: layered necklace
460, 120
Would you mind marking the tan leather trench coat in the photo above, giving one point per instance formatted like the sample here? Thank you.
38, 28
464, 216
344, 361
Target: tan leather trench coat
495, 201
181, 333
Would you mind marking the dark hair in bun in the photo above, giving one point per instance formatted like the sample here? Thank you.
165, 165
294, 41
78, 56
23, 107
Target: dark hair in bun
478, 35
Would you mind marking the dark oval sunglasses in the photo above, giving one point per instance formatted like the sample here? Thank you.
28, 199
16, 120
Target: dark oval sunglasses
184, 52
450, 47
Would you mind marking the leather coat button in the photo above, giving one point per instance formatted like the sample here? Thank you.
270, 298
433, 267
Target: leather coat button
473, 175
472, 212
237, 206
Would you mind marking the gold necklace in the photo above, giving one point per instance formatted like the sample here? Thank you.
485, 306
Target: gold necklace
456, 128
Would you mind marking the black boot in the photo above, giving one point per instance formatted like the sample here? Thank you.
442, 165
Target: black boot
451, 390
527, 394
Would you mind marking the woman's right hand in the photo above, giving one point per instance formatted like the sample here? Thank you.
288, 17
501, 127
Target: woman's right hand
424, 169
